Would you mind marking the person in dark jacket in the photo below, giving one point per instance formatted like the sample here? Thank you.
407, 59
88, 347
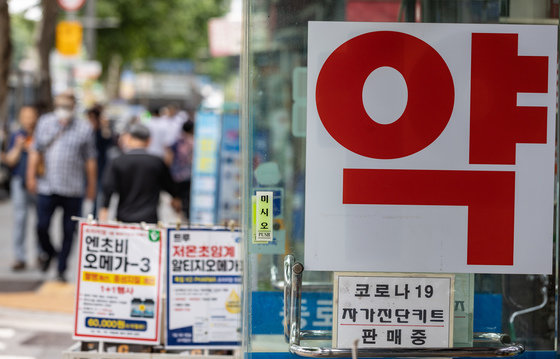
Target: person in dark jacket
103, 142
138, 178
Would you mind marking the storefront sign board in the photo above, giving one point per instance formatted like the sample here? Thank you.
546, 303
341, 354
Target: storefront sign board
388, 310
203, 289
119, 284
430, 147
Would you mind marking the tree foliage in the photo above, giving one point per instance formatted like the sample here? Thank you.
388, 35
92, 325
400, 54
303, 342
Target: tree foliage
155, 29
22, 37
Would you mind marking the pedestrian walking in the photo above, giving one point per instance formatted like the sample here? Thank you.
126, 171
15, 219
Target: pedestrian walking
16, 159
103, 142
159, 134
66, 146
137, 177
174, 120
181, 164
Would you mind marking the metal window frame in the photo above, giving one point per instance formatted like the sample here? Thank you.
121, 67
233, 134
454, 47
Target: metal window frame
293, 274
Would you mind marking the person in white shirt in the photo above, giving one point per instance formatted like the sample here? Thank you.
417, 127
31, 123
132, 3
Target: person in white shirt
159, 135
174, 119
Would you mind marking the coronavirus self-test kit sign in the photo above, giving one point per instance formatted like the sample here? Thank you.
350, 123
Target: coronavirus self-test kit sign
119, 284
393, 310
430, 147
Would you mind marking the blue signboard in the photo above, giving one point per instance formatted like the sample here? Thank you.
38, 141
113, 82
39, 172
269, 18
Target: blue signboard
268, 312
229, 203
204, 186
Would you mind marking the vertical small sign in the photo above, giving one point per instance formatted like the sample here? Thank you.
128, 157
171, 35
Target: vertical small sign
254, 212
264, 216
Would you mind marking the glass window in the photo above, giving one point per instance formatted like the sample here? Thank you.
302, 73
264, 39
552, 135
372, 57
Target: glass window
274, 122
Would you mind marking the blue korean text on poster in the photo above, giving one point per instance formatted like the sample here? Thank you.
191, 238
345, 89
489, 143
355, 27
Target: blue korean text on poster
267, 309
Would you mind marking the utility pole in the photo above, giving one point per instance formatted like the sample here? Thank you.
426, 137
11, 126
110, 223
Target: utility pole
45, 43
5, 61
90, 30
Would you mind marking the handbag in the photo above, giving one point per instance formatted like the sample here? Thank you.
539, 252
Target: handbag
40, 167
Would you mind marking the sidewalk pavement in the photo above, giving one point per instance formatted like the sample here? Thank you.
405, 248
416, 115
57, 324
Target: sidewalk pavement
30, 288
36, 312
36, 318
48, 297
26, 334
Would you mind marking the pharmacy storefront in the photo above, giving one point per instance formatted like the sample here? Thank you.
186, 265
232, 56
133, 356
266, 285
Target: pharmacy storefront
399, 182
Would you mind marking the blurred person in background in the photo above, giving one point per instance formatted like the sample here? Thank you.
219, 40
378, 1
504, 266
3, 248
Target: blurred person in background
159, 134
16, 159
181, 155
137, 177
67, 145
174, 119
103, 142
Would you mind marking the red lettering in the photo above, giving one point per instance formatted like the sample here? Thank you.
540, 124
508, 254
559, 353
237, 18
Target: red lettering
497, 75
489, 195
340, 84
497, 124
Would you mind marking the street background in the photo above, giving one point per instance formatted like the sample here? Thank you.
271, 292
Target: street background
36, 311
133, 64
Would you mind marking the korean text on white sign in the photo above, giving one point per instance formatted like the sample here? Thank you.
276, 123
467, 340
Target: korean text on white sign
430, 147
203, 289
118, 290
391, 310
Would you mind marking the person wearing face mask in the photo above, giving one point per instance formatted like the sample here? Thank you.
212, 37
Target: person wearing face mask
67, 146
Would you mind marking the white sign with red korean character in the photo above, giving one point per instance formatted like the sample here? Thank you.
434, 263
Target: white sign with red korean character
386, 310
119, 284
430, 147
203, 289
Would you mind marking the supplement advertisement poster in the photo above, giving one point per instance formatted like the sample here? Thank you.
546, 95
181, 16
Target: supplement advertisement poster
203, 289
118, 288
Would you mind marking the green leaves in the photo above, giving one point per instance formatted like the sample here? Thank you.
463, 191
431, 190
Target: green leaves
156, 28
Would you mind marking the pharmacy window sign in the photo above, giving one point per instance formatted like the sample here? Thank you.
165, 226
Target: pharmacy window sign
430, 147
392, 310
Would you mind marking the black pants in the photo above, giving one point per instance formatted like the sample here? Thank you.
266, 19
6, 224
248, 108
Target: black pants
46, 205
184, 189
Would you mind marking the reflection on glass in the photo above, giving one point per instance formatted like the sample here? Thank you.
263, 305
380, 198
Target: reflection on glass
522, 306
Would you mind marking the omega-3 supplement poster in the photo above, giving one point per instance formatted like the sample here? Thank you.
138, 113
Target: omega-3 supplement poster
119, 286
